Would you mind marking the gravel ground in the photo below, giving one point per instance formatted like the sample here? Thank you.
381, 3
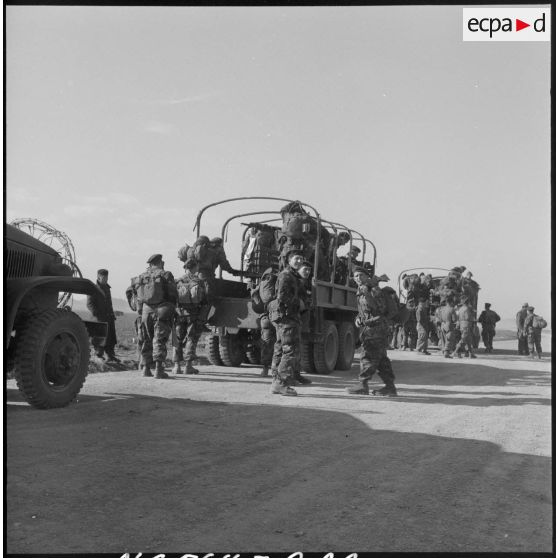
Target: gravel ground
459, 462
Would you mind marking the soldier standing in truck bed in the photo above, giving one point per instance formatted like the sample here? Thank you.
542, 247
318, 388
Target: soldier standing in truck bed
101, 308
157, 294
373, 335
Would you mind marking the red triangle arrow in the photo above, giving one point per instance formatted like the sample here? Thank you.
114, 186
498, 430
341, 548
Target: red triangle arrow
519, 25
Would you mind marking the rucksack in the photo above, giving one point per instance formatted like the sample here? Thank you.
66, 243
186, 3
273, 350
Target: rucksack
183, 253
152, 287
267, 286
189, 292
539, 322
391, 303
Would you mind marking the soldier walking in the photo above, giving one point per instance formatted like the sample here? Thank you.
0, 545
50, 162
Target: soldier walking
373, 335
189, 322
488, 320
423, 326
466, 319
101, 308
532, 328
285, 313
522, 347
157, 295
448, 321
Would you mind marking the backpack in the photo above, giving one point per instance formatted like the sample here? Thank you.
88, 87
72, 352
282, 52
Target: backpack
391, 303
183, 253
539, 322
264, 293
189, 292
152, 287
267, 285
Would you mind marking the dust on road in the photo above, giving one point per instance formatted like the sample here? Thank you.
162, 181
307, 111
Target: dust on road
461, 461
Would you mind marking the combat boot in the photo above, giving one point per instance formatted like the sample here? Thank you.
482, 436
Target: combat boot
447, 355
388, 390
146, 369
472, 355
160, 371
360, 389
265, 370
277, 388
456, 354
190, 369
539, 355
176, 368
303, 381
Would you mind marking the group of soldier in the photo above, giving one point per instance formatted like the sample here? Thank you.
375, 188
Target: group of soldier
179, 308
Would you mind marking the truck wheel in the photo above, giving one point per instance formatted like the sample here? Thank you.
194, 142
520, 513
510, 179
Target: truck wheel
213, 351
253, 355
51, 358
325, 352
346, 352
307, 357
231, 350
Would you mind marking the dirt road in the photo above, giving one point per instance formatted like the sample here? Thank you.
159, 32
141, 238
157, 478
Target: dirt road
461, 461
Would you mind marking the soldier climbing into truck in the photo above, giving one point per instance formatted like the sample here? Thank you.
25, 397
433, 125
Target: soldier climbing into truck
329, 338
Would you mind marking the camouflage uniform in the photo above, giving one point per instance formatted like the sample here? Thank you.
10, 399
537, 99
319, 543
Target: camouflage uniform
466, 319
409, 336
189, 325
373, 335
448, 319
286, 354
423, 327
488, 320
522, 344
533, 335
157, 321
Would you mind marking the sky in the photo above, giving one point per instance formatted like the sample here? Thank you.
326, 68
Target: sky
123, 122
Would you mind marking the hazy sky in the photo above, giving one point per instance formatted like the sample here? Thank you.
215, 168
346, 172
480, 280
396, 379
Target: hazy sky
122, 122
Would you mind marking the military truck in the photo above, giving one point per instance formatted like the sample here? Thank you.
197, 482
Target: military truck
47, 346
330, 338
438, 273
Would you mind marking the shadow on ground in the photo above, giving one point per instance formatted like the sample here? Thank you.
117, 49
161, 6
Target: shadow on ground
141, 473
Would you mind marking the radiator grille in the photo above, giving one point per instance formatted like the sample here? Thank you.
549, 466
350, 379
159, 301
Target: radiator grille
19, 264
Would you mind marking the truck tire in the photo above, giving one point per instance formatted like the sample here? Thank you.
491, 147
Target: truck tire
253, 355
346, 352
51, 358
213, 351
325, 352
231, 350
307, 357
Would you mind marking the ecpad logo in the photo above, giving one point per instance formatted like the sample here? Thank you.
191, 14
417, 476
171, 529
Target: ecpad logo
506, 24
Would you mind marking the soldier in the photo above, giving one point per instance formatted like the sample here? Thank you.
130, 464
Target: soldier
305, 271
409, 340
532, 328
189, 322
157, 294
265, 294
101, 308
466, 319
488, 320
373, 335
423, 326
219, 258
132, 297
522, 348
285, 313
448, 321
